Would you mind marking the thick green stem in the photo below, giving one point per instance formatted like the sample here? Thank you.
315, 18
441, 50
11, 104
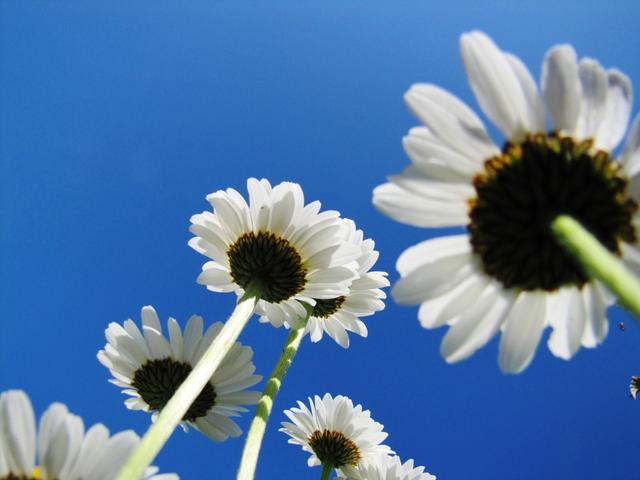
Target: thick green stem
327, 468
263, 410
599, 262
177, 406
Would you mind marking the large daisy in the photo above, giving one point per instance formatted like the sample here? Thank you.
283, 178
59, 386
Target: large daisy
151, 367
335, 432
508, 273
62, 449
385, 467
291, 253
339, 315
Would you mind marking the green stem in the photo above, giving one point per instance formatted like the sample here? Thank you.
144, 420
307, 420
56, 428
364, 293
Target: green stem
170, 416
599, 262
263, 410
327, 468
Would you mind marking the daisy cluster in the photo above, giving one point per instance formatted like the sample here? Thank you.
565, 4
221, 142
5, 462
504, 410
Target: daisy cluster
341, 436
310, 271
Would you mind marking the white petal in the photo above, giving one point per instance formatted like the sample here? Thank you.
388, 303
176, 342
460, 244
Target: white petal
216, 277
630, 158
451, 121
429, 280
495, 84
597, 326
430, 251
567, 320
533, 103
618, 109
150, 318
448, 306
477, 325
437, 160
523, 328
593, 79
406, 207
561, 88
17, 431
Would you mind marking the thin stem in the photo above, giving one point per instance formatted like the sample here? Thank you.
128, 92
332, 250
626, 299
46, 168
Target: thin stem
170, 416
263, 410
327, 468
599, 262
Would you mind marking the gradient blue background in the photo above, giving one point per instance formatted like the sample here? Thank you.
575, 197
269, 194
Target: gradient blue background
117, 118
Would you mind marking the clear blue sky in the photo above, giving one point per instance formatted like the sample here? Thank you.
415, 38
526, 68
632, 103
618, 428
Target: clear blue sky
117, 118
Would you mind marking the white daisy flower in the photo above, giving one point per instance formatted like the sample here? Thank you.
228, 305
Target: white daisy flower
384, 467
151, 367
337, 316
289, 251
335, 432
61, 450
634, 386
508, 273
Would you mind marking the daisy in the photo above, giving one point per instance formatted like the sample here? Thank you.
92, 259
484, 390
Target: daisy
384, 467
292, 253
151, 367
64, 451
335, 432
508, 273
634, 387
339, 315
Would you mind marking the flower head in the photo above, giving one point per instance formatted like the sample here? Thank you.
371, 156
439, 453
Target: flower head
508, 273
384, 467
290, 253
62, 449
334, 431
339, 315
151, 367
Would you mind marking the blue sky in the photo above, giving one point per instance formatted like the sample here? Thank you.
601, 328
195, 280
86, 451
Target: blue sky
116, 120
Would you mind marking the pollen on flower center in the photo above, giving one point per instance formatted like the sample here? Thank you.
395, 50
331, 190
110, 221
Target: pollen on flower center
157, 380
521, 191
334, 448
269, 261
324, 308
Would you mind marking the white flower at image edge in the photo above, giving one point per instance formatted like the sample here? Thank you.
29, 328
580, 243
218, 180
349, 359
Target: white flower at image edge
61, 449
292, 253
508, 273
384, 467
335, 432
151, 367
337, 316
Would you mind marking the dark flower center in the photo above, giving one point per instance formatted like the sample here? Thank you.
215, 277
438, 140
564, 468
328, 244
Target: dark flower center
326, 308
269, 262
157, 380
334, 448
521, 191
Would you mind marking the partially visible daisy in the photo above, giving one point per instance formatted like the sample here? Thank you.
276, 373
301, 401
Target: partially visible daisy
151, 368
292, 253
384, 467
508, 273
337, 316
335, 432
634, 386
61, 450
